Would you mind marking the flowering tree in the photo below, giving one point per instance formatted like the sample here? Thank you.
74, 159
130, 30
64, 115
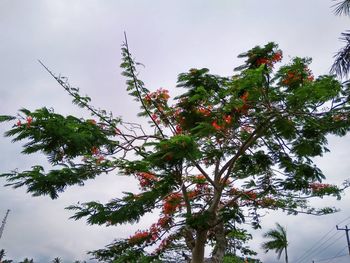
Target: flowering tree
224, 149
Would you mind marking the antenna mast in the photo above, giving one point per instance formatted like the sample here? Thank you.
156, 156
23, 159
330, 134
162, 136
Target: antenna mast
3, 223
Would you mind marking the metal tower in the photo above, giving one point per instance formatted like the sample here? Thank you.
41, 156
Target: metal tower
4, 222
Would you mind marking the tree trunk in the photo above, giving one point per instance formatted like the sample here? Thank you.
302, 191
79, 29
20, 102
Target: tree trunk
285, 251
198, 250
221, 244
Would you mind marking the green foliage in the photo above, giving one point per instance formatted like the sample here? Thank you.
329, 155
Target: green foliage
227, 148
235, 259
174, 151
128, 209
51, 183
59, 136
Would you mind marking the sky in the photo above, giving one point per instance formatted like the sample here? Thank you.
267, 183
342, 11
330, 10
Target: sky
81, 39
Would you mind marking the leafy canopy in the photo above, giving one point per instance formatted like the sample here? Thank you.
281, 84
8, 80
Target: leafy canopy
210, 159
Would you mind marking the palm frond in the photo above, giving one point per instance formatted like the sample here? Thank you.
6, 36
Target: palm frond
278, 240
342, 7
282, 231
341, 65
279, 252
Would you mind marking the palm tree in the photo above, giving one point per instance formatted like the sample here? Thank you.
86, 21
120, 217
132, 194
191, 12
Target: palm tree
341, 65
342, 7
57, 260
2, 254
278, 241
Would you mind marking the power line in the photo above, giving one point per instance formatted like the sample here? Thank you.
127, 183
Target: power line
324, 236
313, 251
305, 254
341, 251
347, 235
331, 244
324, 259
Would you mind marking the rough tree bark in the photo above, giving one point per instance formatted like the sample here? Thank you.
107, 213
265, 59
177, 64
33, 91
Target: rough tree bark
221, 244
198, 250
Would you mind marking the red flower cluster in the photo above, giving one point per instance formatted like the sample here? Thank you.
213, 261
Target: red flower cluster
99, 158
245, 107
227, 119
250, 195
164, 221
193, 194
152, 234
216, 126
95, 150
200, 179
178, 129
295, 77
245, 96
159, 94
265, 61
171, 203
276, 57
146, 179
204, 111
139, 237
318, 186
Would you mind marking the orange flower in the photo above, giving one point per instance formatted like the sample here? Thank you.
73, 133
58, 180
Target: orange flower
310, 78
265, 61
216, 126
205, 112
178, 129
171, 203
138, 237
164, 221
277, 56
227, 119
95, 150
245, 96
146, 179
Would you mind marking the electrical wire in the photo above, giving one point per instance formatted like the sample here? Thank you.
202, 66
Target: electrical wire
331, 244
341, 251
305, 254
324, 259
311, 252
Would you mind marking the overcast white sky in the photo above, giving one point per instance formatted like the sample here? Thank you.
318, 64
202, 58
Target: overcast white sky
81, 39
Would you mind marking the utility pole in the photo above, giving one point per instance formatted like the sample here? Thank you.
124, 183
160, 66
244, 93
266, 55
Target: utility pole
4, 222
347, 235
